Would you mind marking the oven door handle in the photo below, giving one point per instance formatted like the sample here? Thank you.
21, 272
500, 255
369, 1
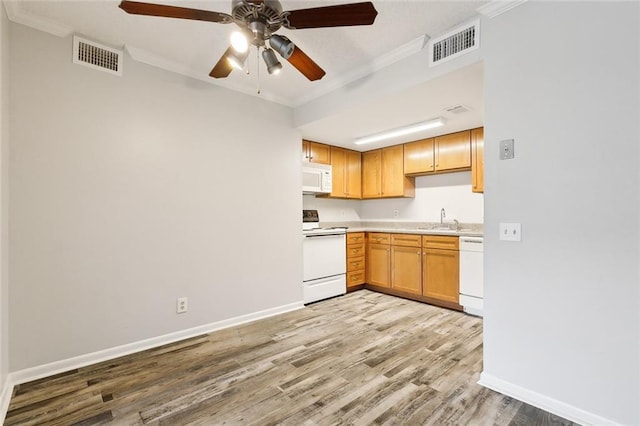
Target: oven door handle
324, 235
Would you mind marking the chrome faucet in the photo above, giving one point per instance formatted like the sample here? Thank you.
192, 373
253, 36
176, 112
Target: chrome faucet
442, 216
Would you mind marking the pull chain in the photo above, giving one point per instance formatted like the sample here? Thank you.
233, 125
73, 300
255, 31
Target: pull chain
258, 68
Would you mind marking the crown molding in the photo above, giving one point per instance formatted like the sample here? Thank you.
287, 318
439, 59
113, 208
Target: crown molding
17, 14
402, 52
498, 7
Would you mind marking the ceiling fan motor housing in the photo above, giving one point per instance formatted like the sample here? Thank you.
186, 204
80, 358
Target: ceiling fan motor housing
262, 18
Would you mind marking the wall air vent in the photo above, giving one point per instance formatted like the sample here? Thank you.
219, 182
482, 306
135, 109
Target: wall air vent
96, 56
455, 43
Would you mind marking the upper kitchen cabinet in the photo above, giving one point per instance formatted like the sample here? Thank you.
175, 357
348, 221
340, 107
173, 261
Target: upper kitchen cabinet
314, 152
418, 157
477, 160
453, 151
345, 169
383, 174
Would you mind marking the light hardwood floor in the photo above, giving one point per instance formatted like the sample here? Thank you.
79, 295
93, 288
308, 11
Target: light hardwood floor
364, 358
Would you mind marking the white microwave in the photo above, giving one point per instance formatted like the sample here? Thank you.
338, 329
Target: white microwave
316, 178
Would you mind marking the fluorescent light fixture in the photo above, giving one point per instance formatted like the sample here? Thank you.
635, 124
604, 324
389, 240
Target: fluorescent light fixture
401, 131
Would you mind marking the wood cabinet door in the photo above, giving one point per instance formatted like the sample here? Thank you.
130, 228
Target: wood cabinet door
418, 157
392, 167
453, 151
477, 160
378, 265
338, 175
371, 174
316, 152
305, 151
406, 269
440, 274
353, 174
320, 153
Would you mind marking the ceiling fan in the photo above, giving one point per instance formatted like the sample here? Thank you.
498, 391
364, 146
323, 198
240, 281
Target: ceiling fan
258, 21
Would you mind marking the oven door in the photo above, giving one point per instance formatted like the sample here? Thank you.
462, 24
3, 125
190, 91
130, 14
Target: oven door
323, 256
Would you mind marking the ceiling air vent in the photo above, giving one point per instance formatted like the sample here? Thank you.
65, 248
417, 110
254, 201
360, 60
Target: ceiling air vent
457, 109
454, 43
96, 56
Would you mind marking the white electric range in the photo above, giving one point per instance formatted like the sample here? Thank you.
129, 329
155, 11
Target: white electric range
324, 259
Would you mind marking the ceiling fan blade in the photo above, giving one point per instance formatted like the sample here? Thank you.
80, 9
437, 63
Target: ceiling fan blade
305, 65
150, 9
332, 16
223, 67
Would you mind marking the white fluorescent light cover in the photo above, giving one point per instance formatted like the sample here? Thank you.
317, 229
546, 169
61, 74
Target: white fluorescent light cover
401, 131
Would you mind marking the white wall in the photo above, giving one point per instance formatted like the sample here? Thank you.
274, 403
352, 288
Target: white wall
561, 307
333, 210
127, 193
4, 194
451, 191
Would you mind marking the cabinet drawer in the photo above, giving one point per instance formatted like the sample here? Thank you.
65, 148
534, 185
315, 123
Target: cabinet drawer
355, 250
379, 238
407, 240
355, 237
355, 264
355, 278
440, 241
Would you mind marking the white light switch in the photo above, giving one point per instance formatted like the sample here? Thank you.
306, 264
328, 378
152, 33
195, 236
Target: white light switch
510, 231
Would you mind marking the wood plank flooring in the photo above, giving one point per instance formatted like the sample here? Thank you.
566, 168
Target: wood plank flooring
363, 358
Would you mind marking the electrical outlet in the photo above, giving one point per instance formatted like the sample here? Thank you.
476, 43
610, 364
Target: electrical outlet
181, 305
343, 213
510, 231
396, 213
507, 150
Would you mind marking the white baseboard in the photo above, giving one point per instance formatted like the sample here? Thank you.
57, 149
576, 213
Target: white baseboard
5, 398
543, 402
38, 372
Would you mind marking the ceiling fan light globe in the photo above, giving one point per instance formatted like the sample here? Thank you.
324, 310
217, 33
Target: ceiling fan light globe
239, 42
237, 60
282, 45
273, 65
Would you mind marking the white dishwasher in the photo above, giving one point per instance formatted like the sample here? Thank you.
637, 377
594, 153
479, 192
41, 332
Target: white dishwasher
471, 274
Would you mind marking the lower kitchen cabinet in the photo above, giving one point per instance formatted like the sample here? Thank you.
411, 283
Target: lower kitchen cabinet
378, 260
440, 268
418, 267
355, 259
406, 268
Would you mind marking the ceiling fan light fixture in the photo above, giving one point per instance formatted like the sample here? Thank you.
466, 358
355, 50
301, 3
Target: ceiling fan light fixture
273, 65
282, 45
239, 42
401, 131
237, 59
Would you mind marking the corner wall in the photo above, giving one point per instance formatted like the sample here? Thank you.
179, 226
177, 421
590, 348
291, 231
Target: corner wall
4, 217
562, 326
129, 192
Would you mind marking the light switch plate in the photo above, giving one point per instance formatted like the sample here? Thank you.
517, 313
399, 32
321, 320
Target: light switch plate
506, 149
510, 231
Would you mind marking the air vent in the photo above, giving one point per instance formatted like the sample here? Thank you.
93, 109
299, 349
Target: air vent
454, 43
457, 109
96, 56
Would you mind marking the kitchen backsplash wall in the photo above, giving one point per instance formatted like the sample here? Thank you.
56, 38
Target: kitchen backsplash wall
451, 191
331, 209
